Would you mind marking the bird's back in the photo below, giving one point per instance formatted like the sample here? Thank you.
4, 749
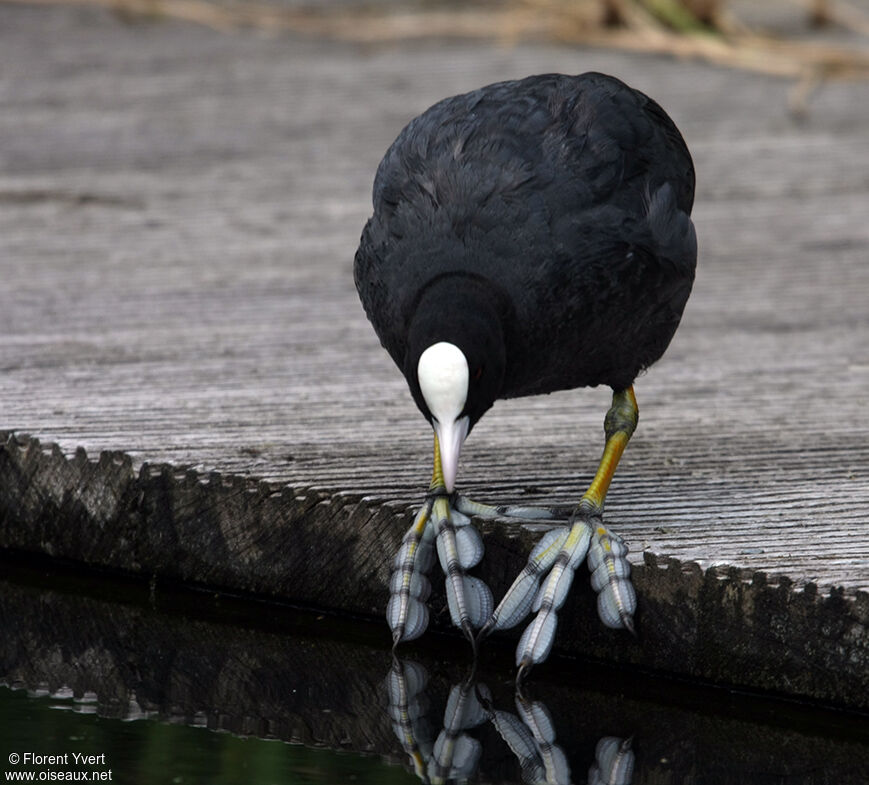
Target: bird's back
569, 196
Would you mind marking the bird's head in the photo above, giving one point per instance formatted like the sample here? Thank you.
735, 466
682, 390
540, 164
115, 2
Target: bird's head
455, 377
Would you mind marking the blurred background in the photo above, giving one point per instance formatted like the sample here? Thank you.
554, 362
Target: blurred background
807, 40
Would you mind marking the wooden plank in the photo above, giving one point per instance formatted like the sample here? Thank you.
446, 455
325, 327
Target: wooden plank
179, 210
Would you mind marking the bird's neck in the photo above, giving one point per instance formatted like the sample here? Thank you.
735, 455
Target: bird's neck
457, 309
462, 310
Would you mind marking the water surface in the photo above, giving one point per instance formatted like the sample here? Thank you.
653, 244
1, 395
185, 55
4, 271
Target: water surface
203, 688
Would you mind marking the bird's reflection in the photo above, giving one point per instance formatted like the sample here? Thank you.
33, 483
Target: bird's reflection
529, 733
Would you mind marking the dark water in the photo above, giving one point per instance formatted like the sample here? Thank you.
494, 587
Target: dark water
152, 751
163, 687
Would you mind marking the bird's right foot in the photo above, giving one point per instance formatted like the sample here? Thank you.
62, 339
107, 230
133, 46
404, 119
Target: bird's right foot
437, 526
409, 587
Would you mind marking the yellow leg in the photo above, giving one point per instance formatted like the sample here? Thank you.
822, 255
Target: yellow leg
437, 476
607, 551
619, 425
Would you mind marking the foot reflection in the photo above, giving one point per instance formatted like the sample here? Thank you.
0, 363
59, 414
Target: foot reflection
455, 755
614, 762
408, 709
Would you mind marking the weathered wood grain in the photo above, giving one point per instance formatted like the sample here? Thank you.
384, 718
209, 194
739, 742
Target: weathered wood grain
179, 210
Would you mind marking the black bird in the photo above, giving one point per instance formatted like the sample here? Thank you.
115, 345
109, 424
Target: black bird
527, 237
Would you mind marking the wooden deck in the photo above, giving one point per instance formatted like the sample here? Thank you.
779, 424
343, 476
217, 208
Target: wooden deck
179, 209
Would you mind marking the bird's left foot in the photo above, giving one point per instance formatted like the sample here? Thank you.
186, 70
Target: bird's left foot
471, 508
544, 583
561, 550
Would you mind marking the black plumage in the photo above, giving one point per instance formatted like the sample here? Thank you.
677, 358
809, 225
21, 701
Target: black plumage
542, 226
527, 237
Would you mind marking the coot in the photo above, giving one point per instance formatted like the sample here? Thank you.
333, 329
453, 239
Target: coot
527, 237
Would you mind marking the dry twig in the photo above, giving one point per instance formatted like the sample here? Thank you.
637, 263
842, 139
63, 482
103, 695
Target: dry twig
698, 29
